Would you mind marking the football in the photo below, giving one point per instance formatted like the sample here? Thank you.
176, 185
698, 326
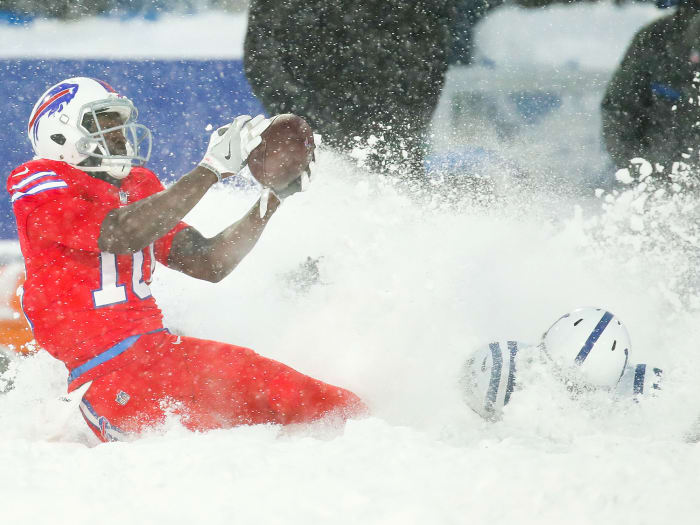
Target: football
285, 152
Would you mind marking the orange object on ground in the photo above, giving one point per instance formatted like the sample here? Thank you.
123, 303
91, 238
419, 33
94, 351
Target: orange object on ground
14, 329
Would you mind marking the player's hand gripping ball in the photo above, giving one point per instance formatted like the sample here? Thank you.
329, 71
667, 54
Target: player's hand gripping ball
286, 150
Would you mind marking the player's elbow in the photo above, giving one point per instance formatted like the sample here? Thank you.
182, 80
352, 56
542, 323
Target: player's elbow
214, 277
217, 271
201, 258
207, 268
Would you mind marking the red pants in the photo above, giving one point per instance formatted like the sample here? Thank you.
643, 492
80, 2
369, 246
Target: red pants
209, 385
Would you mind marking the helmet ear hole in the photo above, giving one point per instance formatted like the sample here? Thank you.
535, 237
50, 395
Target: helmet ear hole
58, 139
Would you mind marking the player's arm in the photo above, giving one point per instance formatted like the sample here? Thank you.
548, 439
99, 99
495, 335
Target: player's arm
212, 259
131, 228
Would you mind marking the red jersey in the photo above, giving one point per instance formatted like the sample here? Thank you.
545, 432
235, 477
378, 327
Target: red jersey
81, 302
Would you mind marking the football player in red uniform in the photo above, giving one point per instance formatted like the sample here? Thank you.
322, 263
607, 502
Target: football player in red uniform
92, 221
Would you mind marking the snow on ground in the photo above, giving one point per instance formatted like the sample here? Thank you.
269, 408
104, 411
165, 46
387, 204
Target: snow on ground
408, 286
210, 34
533, 95
591, 36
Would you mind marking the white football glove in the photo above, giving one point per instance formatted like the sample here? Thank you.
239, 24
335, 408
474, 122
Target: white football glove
230, 145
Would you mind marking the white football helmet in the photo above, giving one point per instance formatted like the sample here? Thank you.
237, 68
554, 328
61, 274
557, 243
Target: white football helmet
589, 345
488, 378
57, 131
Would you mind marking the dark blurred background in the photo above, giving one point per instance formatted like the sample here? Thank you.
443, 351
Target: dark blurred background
179, 97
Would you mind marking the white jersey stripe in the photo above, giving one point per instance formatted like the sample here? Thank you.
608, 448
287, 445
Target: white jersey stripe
33, 177
102, 424
52, 185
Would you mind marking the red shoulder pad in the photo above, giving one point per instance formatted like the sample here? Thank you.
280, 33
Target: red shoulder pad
36, 176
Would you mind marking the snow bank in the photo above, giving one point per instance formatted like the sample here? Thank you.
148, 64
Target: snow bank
209, 34
590, 36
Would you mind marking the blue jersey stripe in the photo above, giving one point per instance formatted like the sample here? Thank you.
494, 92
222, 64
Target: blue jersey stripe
39, 188
108, 354
33, 177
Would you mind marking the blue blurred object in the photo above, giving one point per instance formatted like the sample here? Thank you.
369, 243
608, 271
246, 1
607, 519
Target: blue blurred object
146, 9
468, 161
15, 19
176, 100
535, 105
666, 4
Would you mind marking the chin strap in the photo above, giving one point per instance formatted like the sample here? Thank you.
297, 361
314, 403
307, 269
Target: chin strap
117, 171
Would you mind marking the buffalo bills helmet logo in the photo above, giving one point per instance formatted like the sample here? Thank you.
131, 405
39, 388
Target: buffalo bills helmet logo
54, 101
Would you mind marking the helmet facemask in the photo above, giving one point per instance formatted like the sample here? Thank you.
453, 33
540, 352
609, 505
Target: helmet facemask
94, 143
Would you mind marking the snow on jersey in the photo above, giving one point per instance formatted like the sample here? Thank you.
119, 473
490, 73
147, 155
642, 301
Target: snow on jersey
81, 301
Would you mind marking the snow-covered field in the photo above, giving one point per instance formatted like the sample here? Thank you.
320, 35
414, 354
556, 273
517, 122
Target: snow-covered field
207, 35
408, 286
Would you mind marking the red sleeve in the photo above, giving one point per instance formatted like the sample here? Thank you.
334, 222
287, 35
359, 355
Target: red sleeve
165, 243
69, 220
51, 205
